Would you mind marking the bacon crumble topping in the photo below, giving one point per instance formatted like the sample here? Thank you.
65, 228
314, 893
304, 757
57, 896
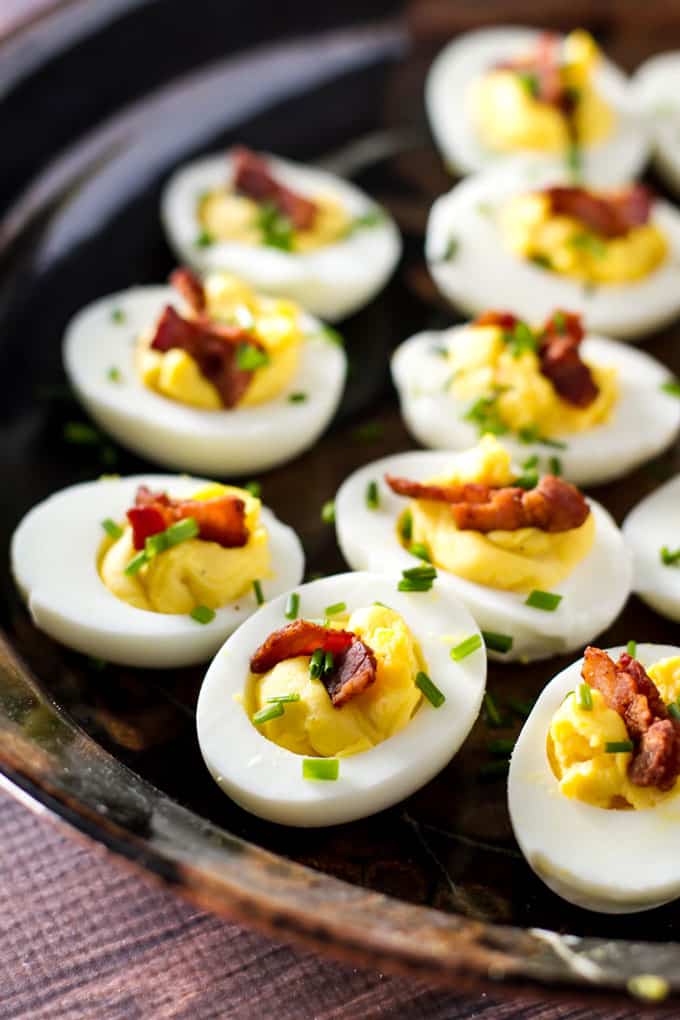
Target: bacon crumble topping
611, 214
354, 663
543, 64
629, 691
220, 520
254, 179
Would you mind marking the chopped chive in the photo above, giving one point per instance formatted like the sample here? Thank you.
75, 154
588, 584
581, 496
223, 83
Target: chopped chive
493, 715
484, 414
503, 745
672, 387
430, 690
328, 663
668, 558
254, 488
136, 563
529, 480
276, 228
560, 322
292, 606
372, 218
548, 601
494, 769
520, 708
320, 768
118, 316
112, 529
155, 544
529, 82
337, 607
618, 746
316, 663
450, 251
555, 466
368, 432
383, 605
297, 398
411, 584
573, 159
249, 357
372, 496
530, 462
114, 374
466, 647
328, 512
674, 710
497, 642
81, 434
540, 260
283, 699
420, 550
333, 336
425, 572
521, 339
441, 352
202, 614
259, 595
590, 243
584, 698
406, 526
631, 648
204, 239
181, 531
267, 713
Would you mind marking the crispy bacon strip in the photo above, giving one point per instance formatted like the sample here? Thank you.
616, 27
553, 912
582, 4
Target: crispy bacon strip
504, 320
253, 178
213, 348
553, 505
220, 520
190, 287
354, 663
610, 214
561, 362
544, 65
628, 690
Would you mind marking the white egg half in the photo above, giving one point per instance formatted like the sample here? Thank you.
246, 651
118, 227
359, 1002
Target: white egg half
226, 442
644, 422
465, 60
592, 596
656, 87
332, 281
651, 525
54, 562
266, 779
484, 273
614, 862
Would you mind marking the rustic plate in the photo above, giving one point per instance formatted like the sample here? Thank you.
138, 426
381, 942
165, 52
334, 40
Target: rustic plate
436, 885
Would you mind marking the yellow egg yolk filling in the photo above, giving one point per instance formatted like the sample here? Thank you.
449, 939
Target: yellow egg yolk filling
193, 573
576, 748
519, 561
508, 116
566, 246
483, 364
274, 322
312, 725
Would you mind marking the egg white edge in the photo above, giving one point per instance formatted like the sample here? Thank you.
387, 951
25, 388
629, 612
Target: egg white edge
654, 83
650, 525
54, 558
266, 779
222, 442
644, 421
332, 282
588, 855
593, 594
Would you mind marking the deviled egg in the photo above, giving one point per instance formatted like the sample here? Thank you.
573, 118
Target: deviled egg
652, 533
151, 570
541, 569
209, 377
288, 229
503, 92
587, 407
656, 87
341, 698
593, 785
527, 240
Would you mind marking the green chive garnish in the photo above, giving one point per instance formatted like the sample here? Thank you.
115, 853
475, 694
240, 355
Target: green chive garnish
411, 584
672, 387
631, 648
114, 374
202, 614
420, 550
81, 434
155, 544
112, 529
573, 158
320, 768
493, 715
530, 462
277, 229
618, 746
548, 601
668, 558
259, 595
316, 663
503, 745
406, 525
204, 239
254, 488
249, 357
451, 250
560, 322
466, 647
333, 336
337, 607
118, 316
590, 243
267, 713
283, 699
372, 496
297, 398
136, 563
430, 690
555, 466
373, 218
497, 642
181, 531
674, 710
484, 414
529, 480
584, 698
328, 662
292, 606
521, 339
529, 82
328, 512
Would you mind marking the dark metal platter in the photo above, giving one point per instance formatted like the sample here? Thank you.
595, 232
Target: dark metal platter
435, 885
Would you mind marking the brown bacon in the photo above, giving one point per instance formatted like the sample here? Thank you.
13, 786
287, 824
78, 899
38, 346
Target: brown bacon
553, 505
252, 177
610, 214
354, 663
628, 690
190, 287
220, 520
561, 362
213, 348
504, 320
544, 65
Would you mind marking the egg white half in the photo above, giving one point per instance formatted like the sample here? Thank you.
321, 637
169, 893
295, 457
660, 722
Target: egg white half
485, 274
227, 442
593, 594
54, 563
656, 87
644, 421
266, 779
614, 862
448, 100
332, 281
653, 523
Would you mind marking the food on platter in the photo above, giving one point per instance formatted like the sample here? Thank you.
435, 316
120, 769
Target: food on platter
652, 535
656, 87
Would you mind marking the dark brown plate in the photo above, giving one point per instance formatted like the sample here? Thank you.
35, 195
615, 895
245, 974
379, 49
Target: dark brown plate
435, 885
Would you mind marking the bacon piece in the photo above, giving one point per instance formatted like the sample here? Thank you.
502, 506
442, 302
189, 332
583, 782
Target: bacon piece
220, 520
544, 65
610, 214
628, 690
504, 320
561, 362
252, 177
354, 663
190, 287
553, 505
213, 348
